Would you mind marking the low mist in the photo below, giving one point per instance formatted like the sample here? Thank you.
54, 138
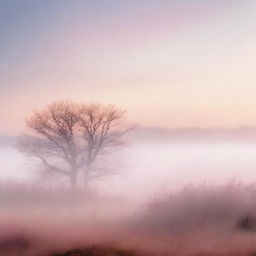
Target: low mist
167, 198
143, 168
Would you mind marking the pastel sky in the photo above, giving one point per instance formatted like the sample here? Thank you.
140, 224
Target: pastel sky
170, 63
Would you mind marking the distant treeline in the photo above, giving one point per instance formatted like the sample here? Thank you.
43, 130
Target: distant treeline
245, 134
8, 140
196, 134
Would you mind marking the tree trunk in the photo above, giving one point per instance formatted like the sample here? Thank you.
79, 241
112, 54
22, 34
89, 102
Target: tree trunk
87, 174
73, 182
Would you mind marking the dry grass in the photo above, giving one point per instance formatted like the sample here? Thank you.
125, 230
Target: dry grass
99, 251
197, 221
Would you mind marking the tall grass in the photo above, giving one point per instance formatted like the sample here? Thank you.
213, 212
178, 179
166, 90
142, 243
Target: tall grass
200, 207
197, 220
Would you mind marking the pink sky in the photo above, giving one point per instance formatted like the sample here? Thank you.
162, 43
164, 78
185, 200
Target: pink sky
168, 63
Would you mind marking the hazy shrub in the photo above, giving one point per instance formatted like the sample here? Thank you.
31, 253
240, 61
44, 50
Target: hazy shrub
15, 193
14, 243
200, 207
98, 251
247, 223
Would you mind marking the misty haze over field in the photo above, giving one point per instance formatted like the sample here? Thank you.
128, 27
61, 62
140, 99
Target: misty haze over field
156, 161
166, 198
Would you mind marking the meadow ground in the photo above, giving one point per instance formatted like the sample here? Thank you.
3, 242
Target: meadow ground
197, 221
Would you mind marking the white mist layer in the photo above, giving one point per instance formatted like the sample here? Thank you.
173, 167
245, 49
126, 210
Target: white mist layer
146, 169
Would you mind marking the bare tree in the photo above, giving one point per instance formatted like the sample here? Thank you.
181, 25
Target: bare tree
101, 131
69, 138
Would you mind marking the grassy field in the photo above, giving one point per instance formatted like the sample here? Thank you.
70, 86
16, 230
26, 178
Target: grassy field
196, 221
